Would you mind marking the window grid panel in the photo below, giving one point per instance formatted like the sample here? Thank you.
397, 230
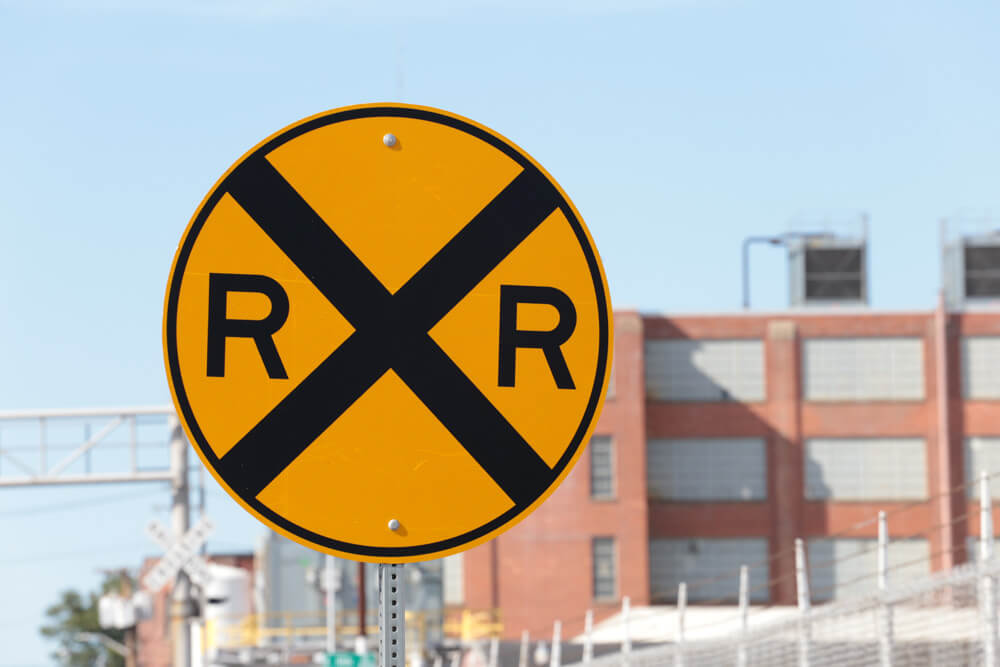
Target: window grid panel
454, 579
859, 369
848, 567
865, 469
694, 469
605, 573
694, 560
980, 366
982, 452
705, 370
602, 467
972, 548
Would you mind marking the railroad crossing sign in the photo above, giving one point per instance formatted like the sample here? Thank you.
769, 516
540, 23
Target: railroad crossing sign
180, 554
387, 333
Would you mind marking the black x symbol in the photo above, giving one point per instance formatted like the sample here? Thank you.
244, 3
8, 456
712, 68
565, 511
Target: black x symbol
390, 331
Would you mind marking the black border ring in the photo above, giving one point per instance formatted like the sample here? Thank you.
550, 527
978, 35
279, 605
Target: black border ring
188, 414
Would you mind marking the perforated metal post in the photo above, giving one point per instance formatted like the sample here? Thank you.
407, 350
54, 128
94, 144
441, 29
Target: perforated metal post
522, 659
886, 631
988, 582
744, 600
330, 589
802, 586
391, 616
588, 637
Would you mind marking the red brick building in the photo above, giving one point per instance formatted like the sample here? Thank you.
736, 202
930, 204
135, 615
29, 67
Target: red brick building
154, 634
726, 437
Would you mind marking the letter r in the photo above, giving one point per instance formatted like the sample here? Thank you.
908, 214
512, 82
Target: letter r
548, 342
220, 327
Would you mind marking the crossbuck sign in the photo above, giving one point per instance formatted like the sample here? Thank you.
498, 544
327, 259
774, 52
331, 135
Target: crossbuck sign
180, 555
387, 333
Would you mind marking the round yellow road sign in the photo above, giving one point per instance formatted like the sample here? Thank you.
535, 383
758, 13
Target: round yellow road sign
387, 333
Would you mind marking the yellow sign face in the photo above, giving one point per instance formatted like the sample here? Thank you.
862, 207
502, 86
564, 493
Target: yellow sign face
387, 333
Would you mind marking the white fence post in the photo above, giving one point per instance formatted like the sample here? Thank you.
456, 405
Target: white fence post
494, 652
556, 659
802, 586
588, 637
626, 638
682, 603
988, 582
744, 601
885, 638
522, 659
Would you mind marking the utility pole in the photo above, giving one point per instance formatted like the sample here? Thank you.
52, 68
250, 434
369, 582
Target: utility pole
130, 649
201, 502
131, 645
202, 600
180, 520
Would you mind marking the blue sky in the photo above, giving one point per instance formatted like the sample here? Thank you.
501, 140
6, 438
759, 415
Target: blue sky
678, 128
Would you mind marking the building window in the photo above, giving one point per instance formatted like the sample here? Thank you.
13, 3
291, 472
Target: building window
846, 566
605, 569
863, 369
982, 453
709, 566
866, 469
980, 363
973, 548
705, 370
453, 579
706, 469
602, 467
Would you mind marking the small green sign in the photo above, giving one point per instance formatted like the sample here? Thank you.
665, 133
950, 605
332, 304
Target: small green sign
345, 659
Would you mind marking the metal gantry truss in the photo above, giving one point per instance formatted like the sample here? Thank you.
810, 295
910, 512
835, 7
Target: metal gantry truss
33, 432
41, 468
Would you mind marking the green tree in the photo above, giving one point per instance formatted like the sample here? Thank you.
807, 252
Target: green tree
74, 613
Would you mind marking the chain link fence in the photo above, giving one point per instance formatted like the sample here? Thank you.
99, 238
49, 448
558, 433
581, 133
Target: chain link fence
942, 619
897, 612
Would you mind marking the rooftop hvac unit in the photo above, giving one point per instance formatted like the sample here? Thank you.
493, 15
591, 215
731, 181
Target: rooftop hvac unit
827, 270
971, 267
982, 271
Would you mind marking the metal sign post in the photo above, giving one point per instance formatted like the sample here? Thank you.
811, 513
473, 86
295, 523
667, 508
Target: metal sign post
330, 589
391, 616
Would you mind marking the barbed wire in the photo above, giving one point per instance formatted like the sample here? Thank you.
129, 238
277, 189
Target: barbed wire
907, 506
925, 532
704, 581
851, 609
833, 561
926, 559
938, 526
845, 532
730, 598
813, 592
